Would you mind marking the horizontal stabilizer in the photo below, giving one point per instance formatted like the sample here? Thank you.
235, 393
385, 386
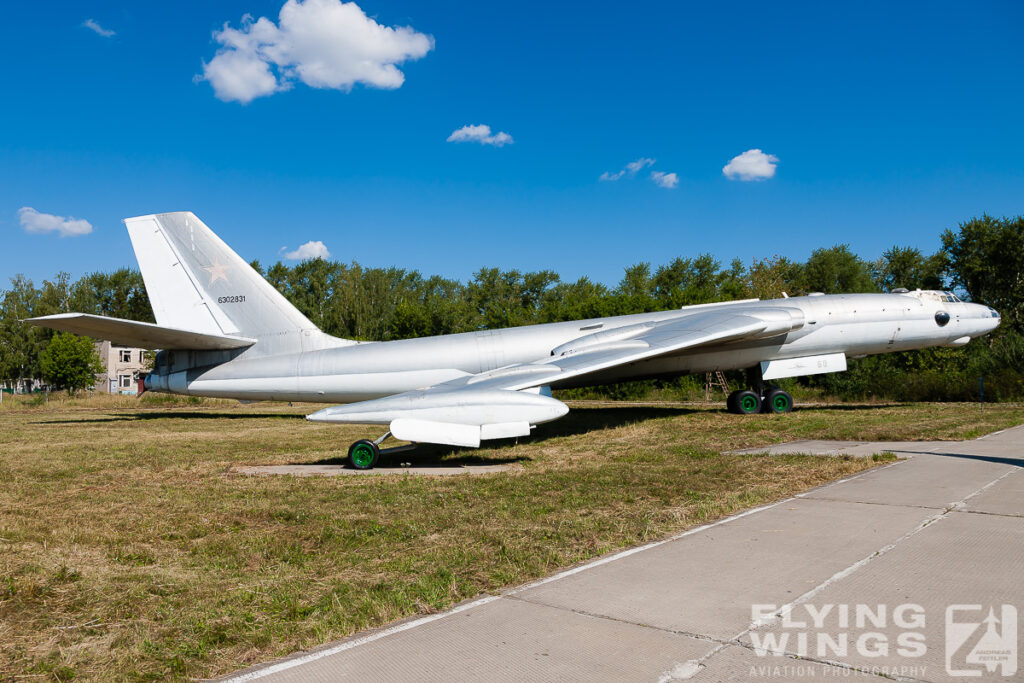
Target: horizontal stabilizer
142, 335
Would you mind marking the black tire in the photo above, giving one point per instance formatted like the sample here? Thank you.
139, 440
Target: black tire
748, 402
730, 403
778, 401
363, 455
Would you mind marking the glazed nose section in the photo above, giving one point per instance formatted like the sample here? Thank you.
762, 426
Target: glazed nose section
988, 317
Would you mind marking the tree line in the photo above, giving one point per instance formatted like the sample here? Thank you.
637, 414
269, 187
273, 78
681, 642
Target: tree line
982, 259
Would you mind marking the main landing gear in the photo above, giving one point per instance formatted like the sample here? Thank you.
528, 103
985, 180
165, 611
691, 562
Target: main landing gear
762, 399
747, 402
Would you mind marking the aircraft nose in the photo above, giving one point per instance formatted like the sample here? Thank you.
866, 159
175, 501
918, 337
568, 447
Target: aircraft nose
988, 316
994, 318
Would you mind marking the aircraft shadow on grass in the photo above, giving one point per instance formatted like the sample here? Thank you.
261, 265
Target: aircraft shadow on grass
142, 416
577, 422
581, 421
597, 417
584, 420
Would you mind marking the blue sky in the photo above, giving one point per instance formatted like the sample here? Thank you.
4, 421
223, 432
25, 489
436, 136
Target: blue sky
889, 121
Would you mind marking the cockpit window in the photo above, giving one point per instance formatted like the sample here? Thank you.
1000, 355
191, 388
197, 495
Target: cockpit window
932, 295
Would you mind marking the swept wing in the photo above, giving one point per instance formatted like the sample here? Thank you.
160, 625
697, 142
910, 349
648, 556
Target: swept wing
508, 401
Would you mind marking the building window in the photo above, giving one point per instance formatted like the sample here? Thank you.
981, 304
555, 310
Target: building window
125, 381
142, 356
125, 355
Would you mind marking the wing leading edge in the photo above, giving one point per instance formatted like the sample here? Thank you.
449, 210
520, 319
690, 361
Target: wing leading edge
509, 400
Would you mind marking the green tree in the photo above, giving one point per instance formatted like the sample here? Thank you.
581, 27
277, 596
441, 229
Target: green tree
70, 362
908, 267
507, 298
20, 343
986, 258
636, 290
312, 288
119, 294
577, 301
734, 283
770, 277
837, 270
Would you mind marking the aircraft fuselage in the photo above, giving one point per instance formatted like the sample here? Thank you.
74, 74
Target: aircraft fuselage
854, 325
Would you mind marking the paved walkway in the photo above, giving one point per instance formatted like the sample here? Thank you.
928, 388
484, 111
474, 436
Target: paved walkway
853, 580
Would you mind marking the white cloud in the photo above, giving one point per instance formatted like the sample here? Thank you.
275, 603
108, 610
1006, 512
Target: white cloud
322, 43
309, 250
94, 25
481, 134
36, 222
666, 180
751, 165
631, 169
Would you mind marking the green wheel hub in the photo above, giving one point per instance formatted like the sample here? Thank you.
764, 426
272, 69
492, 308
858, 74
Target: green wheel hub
748, 404
780, 403
362, 455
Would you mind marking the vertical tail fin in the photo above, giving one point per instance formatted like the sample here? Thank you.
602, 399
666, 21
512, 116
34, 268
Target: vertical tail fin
197, 282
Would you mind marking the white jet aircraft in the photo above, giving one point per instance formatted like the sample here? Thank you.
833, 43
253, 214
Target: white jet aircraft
224, 331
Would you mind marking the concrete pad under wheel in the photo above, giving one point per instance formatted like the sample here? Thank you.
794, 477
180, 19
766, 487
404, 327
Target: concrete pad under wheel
341, 470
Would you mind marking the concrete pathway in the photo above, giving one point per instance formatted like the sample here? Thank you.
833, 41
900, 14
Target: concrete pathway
890, 573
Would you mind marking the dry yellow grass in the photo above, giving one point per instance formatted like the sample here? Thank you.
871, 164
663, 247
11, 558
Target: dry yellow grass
129, 549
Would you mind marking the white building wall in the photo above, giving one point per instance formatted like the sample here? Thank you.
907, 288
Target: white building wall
122, 367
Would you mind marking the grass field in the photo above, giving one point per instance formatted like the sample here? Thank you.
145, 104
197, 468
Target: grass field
130, 549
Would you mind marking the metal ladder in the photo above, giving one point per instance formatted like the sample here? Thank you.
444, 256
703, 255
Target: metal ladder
713, 380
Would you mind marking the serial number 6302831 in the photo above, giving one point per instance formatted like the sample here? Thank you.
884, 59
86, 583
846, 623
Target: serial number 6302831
234, 299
